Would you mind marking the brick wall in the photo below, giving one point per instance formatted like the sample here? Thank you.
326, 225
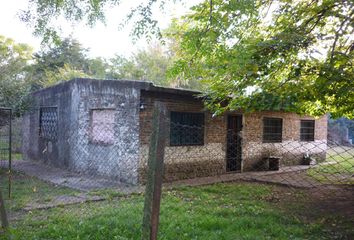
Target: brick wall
184, 161
291, 149
210, 159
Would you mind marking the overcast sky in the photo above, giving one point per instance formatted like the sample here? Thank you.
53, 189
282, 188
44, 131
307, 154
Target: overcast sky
103, 41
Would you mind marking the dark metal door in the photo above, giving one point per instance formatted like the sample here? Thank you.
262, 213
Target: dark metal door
234, 153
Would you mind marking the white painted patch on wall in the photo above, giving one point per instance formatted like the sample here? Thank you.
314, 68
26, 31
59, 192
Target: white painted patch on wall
102, 126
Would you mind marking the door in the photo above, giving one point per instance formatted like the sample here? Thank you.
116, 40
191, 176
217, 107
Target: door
233, 155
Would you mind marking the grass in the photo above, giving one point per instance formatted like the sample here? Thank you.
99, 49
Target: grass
339, 168
27, 190
220, 211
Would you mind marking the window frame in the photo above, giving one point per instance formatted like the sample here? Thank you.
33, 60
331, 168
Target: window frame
269, 137
202, 130
48, 137
312, 136
92, 139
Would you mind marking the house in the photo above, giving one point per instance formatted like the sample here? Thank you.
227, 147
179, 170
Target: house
102, 127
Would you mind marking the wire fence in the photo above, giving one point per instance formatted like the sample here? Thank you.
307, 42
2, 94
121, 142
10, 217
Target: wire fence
91, 173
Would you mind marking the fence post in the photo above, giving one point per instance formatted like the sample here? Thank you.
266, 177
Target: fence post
4, 222
10, 151
154, 174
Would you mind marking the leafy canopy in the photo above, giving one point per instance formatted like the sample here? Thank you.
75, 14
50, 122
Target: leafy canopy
42, 15
271, 55
250, 54
68, 59
14, 62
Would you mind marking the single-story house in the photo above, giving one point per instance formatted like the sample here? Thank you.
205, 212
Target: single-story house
102, 127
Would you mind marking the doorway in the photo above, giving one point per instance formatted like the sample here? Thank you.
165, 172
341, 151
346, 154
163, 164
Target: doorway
234, 143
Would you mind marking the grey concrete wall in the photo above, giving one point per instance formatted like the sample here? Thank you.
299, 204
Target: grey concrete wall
119, 159
74, 149
57, 152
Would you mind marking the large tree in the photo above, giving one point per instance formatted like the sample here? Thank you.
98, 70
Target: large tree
149, 64
64, 61
14, 73
280, 55
52, 63
251, 54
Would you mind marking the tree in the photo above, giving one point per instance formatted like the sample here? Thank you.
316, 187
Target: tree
250, 54
14, 73
149, 64
64, 61
271, 55
67, 55
41, 14
62, 74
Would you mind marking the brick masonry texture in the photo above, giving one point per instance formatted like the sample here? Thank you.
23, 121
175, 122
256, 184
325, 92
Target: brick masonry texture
184, 161
210, 159
291, 149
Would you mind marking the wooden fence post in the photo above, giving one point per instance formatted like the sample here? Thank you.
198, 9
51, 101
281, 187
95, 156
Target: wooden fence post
154, 174
4, 222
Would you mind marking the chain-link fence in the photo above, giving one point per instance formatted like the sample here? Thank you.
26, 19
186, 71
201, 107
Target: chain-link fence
85, 179
5, 149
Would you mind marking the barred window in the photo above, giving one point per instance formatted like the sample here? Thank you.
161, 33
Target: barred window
48, 123
102, 126
186, 129
272, 129
307, 130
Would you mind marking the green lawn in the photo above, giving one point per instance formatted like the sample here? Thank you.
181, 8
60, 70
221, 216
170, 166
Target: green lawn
340, 169
220, 211
26, 189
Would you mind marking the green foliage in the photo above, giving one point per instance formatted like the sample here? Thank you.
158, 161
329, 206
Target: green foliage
60, 62
42, 15
249, 54
278, 55
149, 64
14, 61
61, 74
69, 59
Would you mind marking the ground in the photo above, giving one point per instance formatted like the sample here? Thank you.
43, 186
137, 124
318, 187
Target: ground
338, 168
298, 202
235, 210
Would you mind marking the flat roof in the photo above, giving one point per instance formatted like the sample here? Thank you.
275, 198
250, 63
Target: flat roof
143, 85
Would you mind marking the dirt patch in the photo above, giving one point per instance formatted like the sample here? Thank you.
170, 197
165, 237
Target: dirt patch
338, 200
332, 206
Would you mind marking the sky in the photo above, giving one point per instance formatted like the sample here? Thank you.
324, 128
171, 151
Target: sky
103, 40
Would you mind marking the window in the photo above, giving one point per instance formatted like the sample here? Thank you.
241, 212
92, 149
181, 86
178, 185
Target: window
307, 130
186, 129
48, 123
102, 126
272, 129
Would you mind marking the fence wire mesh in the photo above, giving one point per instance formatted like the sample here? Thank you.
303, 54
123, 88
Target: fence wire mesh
86, 179
5, 149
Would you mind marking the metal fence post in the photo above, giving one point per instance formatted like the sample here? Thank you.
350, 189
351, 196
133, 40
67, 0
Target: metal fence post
154, 174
